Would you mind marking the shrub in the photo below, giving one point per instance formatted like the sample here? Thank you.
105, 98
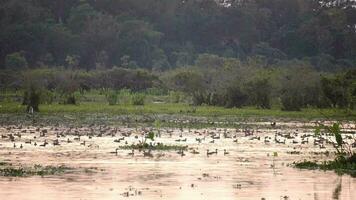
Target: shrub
112, 98
291, 101
199, 98
174, 97
32, 99
16, 61
47, 97
235, 97
259, 92
70, 99
138, 99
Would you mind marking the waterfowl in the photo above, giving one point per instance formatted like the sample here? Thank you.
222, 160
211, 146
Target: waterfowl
181, 152
132, 153
211, 152
147, 154
55, 142
115, 152
194, 151
226, 152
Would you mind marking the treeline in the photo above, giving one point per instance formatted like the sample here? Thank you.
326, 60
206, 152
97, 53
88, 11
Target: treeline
212, 80
159, 35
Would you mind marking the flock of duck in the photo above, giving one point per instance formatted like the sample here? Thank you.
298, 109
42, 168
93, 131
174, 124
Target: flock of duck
42, 137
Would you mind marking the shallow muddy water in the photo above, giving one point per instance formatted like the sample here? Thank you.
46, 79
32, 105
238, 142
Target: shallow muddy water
248, 169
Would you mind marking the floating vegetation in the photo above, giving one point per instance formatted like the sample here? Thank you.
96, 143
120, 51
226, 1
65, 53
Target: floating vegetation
37, 170
340, 166
158, 146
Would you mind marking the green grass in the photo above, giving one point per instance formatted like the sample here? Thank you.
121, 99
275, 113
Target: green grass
180, 109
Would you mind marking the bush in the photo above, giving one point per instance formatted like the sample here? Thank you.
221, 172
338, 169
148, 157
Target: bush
112, 98
70, 99
32, 99
291, 101
259, 92
235, 97
199, 98
47, 97
16, 61
174, 97
138, 99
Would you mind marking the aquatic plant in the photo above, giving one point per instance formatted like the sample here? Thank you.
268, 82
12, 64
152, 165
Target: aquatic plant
37, 170
343, 149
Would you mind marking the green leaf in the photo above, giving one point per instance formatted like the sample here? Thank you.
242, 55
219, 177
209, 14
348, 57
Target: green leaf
338, 139
317, 130
151, 135
335, 129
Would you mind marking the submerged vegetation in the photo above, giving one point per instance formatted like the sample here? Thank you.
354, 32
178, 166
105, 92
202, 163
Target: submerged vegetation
37, 170
339, 166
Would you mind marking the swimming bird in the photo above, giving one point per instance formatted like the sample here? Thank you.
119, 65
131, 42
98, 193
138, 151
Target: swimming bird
147, 154
115, 152
132, 153
194, 151
211, 152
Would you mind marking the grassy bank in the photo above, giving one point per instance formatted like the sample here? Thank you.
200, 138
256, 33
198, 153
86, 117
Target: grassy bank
180, 109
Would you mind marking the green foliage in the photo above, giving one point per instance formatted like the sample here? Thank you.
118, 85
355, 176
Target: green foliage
32, 99
151, 136
37, 170
138, 99
343, 149
291, 101
175, 97
112, 97
259, 92
16, 61
340, 90
70, 99
235, 97
101, 33
347, 166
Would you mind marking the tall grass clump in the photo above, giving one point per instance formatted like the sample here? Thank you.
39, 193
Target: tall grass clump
112, 97
138, 99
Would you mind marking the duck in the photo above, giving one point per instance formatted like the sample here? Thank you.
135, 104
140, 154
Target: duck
132, 153
147, 154
211, 152
226, 152
115, 152
181, 152
194, 151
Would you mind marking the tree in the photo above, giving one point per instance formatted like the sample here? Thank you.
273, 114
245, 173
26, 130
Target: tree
16, 61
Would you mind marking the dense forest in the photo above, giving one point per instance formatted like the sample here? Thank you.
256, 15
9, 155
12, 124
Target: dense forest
158, 34
297, 53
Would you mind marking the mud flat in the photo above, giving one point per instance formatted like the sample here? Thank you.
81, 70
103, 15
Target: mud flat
217, 163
